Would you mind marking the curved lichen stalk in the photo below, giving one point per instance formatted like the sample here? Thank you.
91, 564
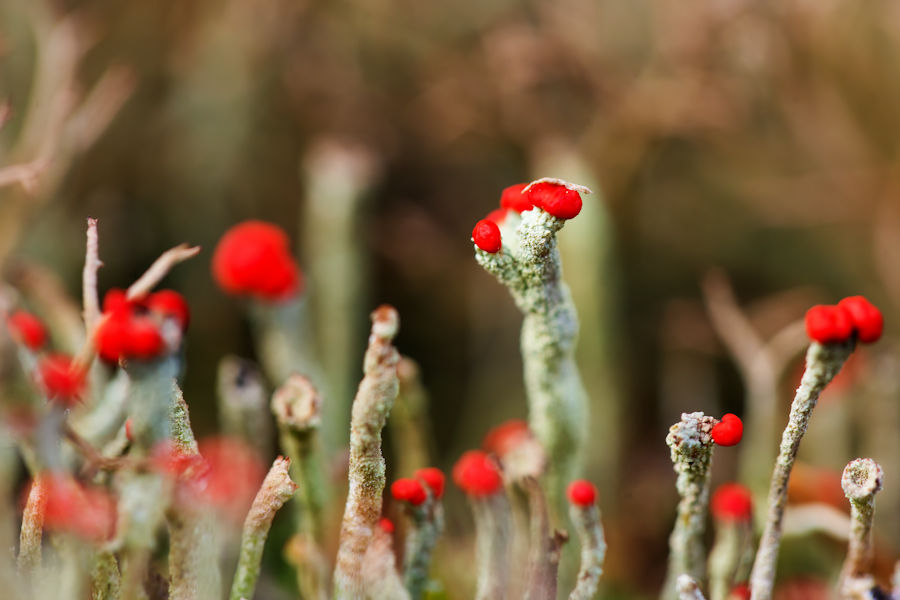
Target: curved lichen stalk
528, 264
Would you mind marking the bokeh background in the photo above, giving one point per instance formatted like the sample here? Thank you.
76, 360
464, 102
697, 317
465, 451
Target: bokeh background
758, 138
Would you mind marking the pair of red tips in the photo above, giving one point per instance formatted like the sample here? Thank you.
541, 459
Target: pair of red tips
412, 490
834, 324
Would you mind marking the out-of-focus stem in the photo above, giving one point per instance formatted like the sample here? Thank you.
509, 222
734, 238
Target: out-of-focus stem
338, 176
726, 556
688, 589
371, 407
243, 404
691, 449
530, 267
593, 550
544, 553
106, 581
861, 480
492, 534
159, 269
427, 526
409, 423
276, 489
379, 570
822, 363
32, 529
92, 263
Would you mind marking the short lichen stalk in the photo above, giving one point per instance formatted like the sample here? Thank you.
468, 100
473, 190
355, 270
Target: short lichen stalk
32, 529
691, 447
297, 409
727, 558
426, 527
529, 265
861, 480
276, 489
379, 570
244, 404
589, 528
106, 581
688, 588
371, 407
823, 361
544, 547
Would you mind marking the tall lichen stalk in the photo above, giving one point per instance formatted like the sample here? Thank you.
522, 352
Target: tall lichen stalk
823, 361
529, 265
371, 407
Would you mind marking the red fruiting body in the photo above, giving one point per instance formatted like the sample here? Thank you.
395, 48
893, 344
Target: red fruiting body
732, 502
74, 508
740, 592
513, 198
254, 258
386, 525
128, 332
477, 474
866, 318
144, 341
27, 329
582, 493
111, 339
409, 490
506, 436
828, 324
128, 434
728, 431
170, 304
433, 478
486, 236
498, 215
60, 379
233, 475
115, 301
556, 199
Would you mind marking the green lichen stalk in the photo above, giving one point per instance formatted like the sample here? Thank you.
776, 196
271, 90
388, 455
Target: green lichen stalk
529, 265
593, 550
427, 526
371, 407
277, 488
691, 448
823, 361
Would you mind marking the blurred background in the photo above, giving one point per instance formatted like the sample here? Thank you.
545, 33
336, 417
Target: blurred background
749, 145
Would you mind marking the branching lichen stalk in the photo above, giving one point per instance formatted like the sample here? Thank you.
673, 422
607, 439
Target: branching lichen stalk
371, 407
276, 489
691, 448
593, 550
427, 526
823, 361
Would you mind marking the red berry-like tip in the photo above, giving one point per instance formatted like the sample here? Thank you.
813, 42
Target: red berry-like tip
728, 431
866, 318
828, 324
732, 502
116, 301
144, 341
408, 490
556, 199
254, 258
128, 433
386, 525
477, 474
87, 512
740, 592
513, 198
27, 329
170, 304
61, 380
498, 215
506, 436
582, 493
486, 236
433, 478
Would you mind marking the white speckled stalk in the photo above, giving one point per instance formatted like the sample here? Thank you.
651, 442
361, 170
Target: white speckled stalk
493, 528
529, 265
823, 361
371, 407
688, 589
276, 489
691, 448
593, 550
861, 480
